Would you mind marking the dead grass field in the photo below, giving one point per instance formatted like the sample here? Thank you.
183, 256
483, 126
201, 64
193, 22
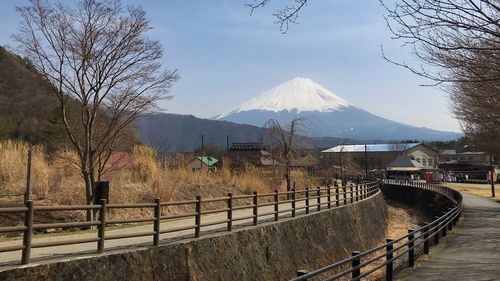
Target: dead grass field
56, 181
483, 190
401, 219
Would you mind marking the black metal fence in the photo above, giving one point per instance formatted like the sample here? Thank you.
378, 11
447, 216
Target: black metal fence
291, 204
382, 260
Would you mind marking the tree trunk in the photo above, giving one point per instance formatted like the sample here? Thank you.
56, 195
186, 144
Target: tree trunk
288, 181
89, 193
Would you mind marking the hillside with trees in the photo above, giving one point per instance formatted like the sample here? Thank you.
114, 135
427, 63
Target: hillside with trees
27, 110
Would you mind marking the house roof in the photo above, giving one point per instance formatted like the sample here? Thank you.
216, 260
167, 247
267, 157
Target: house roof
447, 152
245, 146
254, 157
382, 147
404, 163
208, 160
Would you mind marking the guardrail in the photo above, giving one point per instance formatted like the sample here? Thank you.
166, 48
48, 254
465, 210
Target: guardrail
402, 250
301, 202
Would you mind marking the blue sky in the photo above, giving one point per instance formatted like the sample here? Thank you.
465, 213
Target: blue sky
225, 56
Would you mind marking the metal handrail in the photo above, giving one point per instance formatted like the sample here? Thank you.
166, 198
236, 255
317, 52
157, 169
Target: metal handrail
414, 238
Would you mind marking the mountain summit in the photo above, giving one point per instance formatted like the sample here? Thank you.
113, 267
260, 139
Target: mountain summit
329, 114
298, 95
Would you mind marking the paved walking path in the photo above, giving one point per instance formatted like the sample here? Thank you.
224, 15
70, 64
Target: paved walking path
472, 252
10, 260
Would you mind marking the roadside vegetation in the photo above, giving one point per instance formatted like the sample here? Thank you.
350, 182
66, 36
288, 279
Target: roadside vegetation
141, 176
483, 190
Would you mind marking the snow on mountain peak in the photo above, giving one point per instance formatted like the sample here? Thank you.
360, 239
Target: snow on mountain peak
299, 94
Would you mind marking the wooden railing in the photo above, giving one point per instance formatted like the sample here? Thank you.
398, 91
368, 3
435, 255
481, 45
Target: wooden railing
282, 204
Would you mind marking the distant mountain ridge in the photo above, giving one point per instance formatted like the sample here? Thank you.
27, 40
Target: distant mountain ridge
329, 114
173, 133
29, 112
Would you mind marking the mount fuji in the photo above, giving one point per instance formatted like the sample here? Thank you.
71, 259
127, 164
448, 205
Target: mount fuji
327, 114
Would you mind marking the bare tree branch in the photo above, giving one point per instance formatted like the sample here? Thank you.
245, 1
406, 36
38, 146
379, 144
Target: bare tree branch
285, 16
95, 55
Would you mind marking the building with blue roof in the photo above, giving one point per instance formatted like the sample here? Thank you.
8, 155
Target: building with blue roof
378, 156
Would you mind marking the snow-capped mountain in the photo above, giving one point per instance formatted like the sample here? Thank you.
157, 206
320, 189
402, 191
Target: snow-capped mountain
299, 94
328, 114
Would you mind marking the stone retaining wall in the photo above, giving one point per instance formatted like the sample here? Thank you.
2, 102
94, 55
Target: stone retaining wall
272, 251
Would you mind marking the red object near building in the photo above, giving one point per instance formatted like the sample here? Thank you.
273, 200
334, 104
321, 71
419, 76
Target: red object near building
428, 177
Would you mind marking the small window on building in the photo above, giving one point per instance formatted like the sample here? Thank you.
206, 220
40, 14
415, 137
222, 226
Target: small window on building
431, 162
424, 162
418, 160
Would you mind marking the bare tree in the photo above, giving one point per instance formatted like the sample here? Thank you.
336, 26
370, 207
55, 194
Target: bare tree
103, 70
457, 41
458, 45
477, 105
287, 141
285, 16
348, 167
445, 35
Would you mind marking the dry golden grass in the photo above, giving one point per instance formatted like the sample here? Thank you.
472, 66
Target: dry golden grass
56, 180
483, 190
401, 218
13, 165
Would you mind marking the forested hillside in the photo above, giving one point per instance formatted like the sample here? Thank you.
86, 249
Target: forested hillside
27, 110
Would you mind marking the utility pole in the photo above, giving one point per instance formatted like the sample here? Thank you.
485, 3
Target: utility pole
201, 153
492, 171
341, 167
227, 143
28, 176
366, 163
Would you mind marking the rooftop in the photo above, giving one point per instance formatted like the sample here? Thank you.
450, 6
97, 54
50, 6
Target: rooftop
242, 146
208, 160
382, 147
404, 163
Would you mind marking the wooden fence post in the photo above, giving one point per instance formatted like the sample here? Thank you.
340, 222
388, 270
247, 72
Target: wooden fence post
197, 218
307, 200
101, 228
156, 226
28, 223
318, 200
351, 192
276, 205
344, 187
229, 211
337, 199
255, 208
329, 193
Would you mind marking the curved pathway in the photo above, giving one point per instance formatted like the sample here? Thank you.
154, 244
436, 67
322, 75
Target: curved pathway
472, 252
9, 260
